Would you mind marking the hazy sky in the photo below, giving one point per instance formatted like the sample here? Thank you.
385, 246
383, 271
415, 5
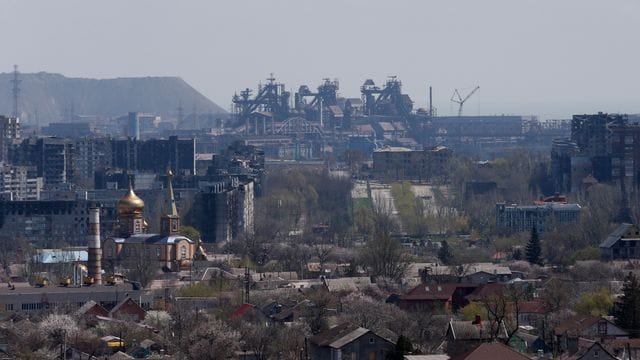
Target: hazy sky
546, 57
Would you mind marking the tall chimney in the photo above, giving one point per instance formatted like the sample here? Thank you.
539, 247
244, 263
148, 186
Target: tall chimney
430, 102
95, 251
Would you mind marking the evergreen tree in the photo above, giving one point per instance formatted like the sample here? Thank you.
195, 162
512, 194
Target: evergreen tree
403, 347
627, 312
445, 254
534, 250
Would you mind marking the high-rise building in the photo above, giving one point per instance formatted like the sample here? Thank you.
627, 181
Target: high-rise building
19, 183
9, 131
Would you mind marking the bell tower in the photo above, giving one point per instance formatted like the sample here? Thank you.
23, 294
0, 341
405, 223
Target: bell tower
170, 220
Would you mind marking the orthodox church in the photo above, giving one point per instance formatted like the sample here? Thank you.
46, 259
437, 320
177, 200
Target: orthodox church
171, 250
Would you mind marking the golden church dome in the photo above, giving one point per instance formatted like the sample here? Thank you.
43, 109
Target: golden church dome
130, 203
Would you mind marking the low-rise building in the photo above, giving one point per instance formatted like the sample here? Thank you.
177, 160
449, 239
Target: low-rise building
448, 297
352, 342
623, 243
526, 217
568, 333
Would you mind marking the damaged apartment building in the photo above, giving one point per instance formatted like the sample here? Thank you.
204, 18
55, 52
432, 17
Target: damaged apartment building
602, 148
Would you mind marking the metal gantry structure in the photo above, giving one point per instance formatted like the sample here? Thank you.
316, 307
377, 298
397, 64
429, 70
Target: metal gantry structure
388, 100
271, 98
327, 95
458, 99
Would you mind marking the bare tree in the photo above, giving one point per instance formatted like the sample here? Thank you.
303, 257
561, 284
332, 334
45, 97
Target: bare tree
322, 252
503, 307
383, 255
141, 269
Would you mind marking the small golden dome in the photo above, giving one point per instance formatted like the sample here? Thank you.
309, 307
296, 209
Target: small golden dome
130, 203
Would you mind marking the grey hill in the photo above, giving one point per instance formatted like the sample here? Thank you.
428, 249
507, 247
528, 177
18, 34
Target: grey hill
52, 97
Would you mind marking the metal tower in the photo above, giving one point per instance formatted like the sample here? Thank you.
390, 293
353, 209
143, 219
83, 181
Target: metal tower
15, 91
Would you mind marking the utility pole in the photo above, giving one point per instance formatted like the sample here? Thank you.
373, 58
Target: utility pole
247, 284
15, 91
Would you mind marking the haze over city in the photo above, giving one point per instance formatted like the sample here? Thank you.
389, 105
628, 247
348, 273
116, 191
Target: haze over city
313, 180
545, 58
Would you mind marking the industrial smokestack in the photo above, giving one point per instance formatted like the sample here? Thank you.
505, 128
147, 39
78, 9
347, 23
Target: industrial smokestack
95, 251
430, 102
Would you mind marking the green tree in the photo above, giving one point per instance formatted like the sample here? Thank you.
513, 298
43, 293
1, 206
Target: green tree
190, 232
596, 303
473, 309
627, 314
445, 254
403, 347
534, 250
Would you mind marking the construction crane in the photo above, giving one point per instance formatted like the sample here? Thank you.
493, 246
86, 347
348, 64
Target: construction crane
457, 98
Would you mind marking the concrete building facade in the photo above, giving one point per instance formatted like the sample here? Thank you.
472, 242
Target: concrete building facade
398, 163
20, 183
525, 217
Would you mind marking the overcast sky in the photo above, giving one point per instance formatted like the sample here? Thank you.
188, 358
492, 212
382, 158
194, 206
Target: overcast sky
543, 57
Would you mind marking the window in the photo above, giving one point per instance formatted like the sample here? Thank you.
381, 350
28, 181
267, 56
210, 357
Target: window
602, 328
8, 307
372, 340
183, 252
158, 251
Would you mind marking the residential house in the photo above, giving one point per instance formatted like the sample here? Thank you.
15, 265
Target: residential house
485, 291
128, 310
491, 351
474, 332
89, 312
623, 243
625, 348
350, 342
528, 343
568, 332
449, 297
347, 284
594, 352
476, 273
531, 313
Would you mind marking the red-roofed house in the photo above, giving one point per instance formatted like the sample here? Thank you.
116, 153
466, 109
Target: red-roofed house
128, 310
491, 351
485, 291
436, 296
531, 313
